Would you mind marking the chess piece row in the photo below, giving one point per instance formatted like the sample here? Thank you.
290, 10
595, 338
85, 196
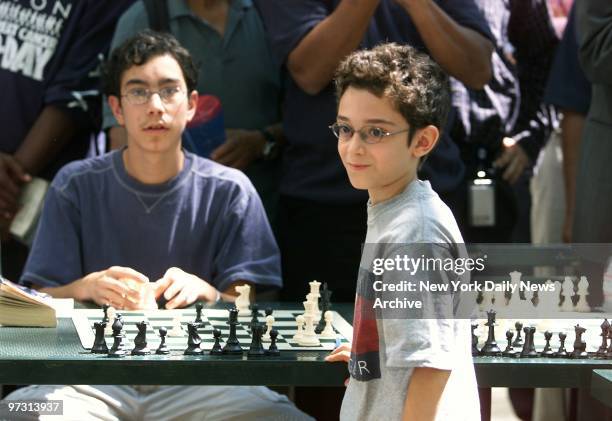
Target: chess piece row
232, 346
528, 350
556, 297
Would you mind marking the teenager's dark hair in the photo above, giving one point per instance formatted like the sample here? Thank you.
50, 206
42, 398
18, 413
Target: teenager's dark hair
416, 85
138, 50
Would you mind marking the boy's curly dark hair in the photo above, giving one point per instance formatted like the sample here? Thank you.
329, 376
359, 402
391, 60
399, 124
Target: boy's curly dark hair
415, 84
138, 50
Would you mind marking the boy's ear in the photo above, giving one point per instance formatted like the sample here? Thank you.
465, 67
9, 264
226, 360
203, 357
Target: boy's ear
192, 105
424, 140
115, 105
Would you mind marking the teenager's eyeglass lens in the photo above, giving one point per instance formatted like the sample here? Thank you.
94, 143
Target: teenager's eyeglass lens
368, 134
140, 96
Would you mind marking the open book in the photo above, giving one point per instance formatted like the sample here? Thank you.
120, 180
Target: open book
21, 306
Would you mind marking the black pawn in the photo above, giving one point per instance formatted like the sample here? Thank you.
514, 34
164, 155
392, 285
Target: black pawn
268, 311
518, 342
605, 331
579, 344
105, 308
198, 319
562, 353
216, 349
490, 348
193, 340
99, 345
140, 341
547, 351
509, 352
232, 345
162, 349
475, 351
273, 351
256, 349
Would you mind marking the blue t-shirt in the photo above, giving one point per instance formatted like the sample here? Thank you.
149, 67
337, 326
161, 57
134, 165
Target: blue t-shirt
311, 166
50, 52
208, 221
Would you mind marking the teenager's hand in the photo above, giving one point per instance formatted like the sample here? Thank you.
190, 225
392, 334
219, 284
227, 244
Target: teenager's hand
121, 287
513, 159
342, 353
182, 289
241, 147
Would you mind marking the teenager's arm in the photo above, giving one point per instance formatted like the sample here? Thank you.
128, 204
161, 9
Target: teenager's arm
313, 67
462, 52
424, 393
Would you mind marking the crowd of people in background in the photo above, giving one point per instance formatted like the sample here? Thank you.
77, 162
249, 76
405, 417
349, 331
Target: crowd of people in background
531, 93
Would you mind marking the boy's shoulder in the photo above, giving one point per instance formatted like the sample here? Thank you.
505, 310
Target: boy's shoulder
419, 215
219, 176
80, 170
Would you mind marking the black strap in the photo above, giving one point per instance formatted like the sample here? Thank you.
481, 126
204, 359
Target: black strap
157, 10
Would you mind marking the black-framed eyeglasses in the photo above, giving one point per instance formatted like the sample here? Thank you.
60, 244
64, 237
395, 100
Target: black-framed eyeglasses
367, 134
140, 96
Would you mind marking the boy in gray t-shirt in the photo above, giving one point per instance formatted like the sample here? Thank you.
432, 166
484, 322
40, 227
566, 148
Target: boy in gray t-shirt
410, 358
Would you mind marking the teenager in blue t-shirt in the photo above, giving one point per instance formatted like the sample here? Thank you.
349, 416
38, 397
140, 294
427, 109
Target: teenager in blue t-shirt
153, 213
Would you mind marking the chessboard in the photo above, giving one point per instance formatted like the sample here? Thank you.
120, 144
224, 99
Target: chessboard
285, 324
592, 335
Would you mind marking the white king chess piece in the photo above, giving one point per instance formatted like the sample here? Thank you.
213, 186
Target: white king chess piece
243, 300
314, 290
568, 293
583, 290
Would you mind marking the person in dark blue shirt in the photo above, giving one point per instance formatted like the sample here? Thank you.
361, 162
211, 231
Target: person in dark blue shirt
49, 56
321, 216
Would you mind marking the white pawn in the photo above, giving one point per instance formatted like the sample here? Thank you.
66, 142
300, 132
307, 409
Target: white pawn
582, 305
568, 293
111, 312
328, 331
177, 330
243, 301
299, 320
269, 323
